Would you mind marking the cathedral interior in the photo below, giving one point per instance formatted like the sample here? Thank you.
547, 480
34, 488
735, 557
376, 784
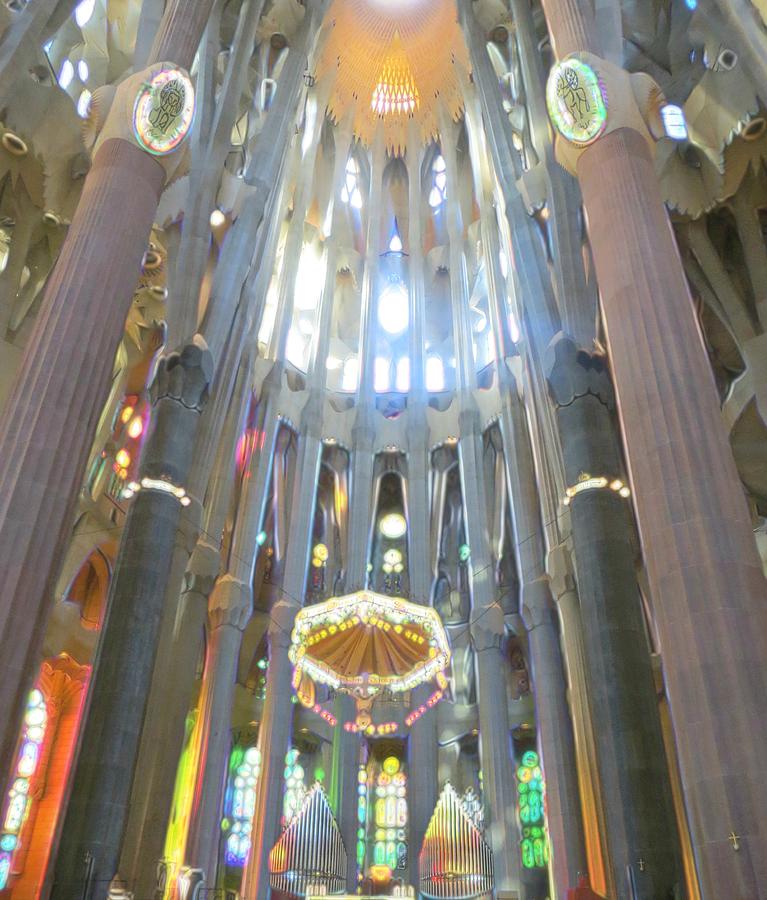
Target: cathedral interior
383, 457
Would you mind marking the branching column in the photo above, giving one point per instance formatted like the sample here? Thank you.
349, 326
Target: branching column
64, 378
705, 576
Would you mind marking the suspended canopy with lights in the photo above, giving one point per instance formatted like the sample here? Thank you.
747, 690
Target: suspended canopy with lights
361, 643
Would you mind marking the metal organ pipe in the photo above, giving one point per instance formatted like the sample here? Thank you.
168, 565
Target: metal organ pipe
455, 861
310, 853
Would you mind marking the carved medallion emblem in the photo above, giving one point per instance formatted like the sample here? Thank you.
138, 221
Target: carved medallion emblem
577, 101
164, 110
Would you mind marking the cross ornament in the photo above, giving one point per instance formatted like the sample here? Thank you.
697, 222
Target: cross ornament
642, 864
734, 839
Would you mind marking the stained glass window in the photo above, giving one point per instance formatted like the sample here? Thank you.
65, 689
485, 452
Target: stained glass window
362, 815
438, 193
390, 816
245, 768
19, 798
530, 791
295, 787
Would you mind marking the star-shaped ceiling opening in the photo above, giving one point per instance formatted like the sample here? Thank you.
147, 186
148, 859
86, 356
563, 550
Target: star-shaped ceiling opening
393, 61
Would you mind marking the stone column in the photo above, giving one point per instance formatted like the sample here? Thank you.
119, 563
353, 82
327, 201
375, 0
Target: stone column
694, 522
641, 829
555, 737
423, 738
488, 632
562, 582
277, 719
64, 378
97, 812
343, 782
708, 589
231, 605
555, 728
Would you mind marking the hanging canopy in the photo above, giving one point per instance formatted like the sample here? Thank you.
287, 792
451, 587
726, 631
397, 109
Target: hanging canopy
364, 641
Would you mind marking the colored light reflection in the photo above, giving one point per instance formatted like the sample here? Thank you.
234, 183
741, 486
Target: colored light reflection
19, 796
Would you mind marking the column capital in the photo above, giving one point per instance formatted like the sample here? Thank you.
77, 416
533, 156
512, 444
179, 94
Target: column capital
560, 568
488, 627
184, 375
573, 372
203, 568
231, 603
282, 617
536, 603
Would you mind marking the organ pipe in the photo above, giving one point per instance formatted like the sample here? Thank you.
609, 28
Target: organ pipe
455, 860
310, 853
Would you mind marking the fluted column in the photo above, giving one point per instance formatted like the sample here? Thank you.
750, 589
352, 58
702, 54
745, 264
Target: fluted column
708, 590
64, 378
97, 812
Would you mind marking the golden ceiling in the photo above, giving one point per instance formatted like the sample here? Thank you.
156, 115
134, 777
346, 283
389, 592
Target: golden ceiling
392, 60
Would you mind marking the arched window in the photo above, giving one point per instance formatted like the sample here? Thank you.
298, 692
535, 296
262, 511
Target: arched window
438, 193
390, 845
435, 374
246, 768
535, 848
350, 192
20, 798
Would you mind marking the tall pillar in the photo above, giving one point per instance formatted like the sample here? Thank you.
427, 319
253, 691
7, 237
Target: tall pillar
555, 738
64, 378
555, 728
277, 719
97, 812
562, 581
641, 832
423, 739
231, 605
343, 782
230, 608
708, 589
488, 632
